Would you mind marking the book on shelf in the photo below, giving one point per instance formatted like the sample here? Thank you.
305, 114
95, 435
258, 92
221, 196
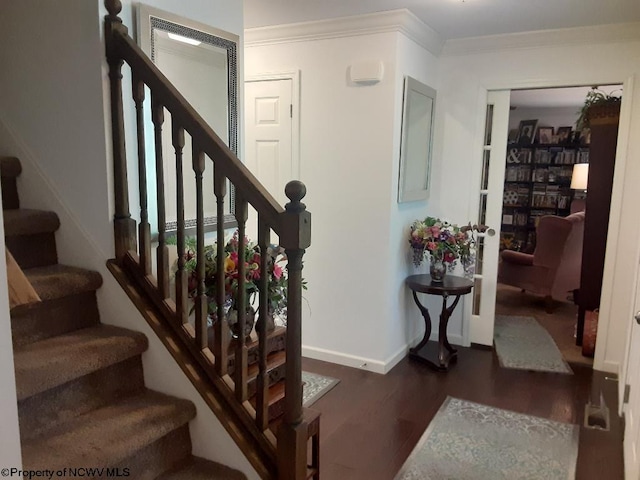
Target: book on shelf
524, 155
540, 175
542, 155
538, 196
583, 156
520, 219
523, 195
551, 196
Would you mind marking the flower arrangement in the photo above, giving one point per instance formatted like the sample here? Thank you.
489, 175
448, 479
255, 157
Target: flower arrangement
277, 277
443, 241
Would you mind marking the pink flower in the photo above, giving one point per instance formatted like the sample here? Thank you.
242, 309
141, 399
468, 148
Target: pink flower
432, 246
277, 272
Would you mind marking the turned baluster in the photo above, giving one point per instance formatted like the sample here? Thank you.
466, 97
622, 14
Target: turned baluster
182, 296
162, 250
144, 229
221, 329
201, 310
262, 393
241, 362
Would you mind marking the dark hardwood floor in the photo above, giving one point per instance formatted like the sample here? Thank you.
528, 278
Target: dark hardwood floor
371, 423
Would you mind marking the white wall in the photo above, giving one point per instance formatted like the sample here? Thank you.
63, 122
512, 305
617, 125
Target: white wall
404, 322
347, 147
463, 81
54, 115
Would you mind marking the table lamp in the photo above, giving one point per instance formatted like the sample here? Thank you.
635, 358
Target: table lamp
580, 176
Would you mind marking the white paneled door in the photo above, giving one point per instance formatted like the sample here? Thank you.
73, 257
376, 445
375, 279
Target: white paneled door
632, 408
268, 133
488, 211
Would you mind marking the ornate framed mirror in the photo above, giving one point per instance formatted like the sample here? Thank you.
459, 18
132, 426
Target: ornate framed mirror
201, 62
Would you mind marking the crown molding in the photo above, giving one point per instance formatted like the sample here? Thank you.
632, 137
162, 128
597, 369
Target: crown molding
614, 33
401, 20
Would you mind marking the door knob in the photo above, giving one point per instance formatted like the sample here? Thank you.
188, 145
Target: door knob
491, 232
637, 317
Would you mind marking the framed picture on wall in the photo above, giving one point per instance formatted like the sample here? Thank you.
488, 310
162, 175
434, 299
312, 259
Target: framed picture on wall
564, 135
527, 132
545, 135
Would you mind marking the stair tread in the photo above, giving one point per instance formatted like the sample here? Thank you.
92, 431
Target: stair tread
48, 363
10, 167
201, 469
273, 361
26, 221
106, 436
57, 281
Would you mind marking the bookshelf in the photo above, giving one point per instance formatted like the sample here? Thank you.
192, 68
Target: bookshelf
536, 183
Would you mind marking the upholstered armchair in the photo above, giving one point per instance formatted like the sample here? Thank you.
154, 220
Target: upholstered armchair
553, 270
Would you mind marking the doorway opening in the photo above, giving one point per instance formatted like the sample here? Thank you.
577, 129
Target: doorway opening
541, 272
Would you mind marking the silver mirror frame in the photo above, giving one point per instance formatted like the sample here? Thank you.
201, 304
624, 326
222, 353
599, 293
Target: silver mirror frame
148, 20
416, 142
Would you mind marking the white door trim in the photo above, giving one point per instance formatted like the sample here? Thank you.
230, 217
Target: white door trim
294, 76
615, 222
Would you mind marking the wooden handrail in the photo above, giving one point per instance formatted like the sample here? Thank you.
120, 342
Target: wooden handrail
283, 456
210, 143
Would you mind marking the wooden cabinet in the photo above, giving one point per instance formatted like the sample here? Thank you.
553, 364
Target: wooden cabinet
604, 135
537, 183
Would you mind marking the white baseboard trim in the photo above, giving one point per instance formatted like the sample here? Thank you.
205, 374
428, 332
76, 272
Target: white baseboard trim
365, 363
344, 359
609, 367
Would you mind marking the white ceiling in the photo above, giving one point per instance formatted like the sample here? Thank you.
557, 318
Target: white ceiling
454, 18
556, 97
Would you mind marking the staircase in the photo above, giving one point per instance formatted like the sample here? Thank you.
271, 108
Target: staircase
82, 401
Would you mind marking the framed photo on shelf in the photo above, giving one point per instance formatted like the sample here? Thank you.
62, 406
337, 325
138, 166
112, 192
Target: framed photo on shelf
527, 131
545, 135
513, 135
585, 136
564, 135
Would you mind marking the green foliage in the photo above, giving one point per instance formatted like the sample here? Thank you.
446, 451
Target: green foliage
595, 97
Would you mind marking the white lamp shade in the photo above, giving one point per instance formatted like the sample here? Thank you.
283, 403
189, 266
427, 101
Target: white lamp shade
580, 176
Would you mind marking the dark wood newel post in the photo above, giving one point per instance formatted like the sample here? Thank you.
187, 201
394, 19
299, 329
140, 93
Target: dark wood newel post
293, 433
124, 226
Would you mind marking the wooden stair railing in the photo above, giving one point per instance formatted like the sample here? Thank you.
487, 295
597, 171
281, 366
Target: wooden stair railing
281, 455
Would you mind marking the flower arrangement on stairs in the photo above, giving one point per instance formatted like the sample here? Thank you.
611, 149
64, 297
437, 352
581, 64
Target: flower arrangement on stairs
276, 286
443, 243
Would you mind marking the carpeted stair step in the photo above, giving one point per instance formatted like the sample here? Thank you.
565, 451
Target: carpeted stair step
46, 410
56, 281
69, 303
135, 433
55, 361
30, 236
10, 169
201, 469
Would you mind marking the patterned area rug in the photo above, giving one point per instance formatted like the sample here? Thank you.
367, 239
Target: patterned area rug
315, 386
470, 441
521, 342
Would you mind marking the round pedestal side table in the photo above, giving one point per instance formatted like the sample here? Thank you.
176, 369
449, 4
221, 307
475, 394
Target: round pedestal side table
450, 286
